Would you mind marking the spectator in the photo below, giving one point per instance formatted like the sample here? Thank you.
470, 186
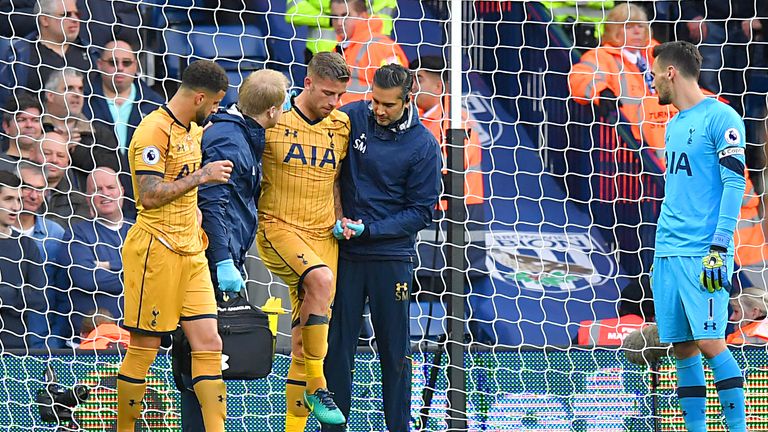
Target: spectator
100, 331
320, 32
119, 101
102, 19
32, 221
749, 314
363, 46
431, 89
63, 200
635, 310
91, 144
622, 65
119, 98
90, 262
21, 295
57, 45
23, 130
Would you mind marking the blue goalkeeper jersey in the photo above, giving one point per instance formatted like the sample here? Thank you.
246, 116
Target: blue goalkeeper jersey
704, 180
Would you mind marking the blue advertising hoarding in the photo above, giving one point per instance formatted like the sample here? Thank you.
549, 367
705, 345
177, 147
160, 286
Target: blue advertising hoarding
537, 265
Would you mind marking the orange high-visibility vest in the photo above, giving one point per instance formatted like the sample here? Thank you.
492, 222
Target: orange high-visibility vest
105, 335
754, 333
610, 331
608, 67
437, 120
365, 51
749, 237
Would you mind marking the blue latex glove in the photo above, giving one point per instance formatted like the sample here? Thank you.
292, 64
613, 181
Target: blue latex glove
357, 228
338, 231
230, 279
714, 273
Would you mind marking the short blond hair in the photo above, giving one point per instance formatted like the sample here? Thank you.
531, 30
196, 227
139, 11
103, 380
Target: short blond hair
750, 298
620, 16
261, 91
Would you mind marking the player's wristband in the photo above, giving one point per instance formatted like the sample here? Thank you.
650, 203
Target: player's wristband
720, 242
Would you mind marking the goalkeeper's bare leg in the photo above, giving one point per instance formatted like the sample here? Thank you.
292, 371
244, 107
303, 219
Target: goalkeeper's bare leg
312, 345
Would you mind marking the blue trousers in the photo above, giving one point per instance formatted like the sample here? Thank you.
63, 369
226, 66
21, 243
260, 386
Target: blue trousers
386, 285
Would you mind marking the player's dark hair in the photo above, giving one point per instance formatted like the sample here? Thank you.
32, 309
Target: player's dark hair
684, 56
205, 75
394, 75
432, 64
328, 65
9, 179
21, 101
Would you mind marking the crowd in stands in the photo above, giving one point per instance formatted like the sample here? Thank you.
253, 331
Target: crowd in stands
72, 96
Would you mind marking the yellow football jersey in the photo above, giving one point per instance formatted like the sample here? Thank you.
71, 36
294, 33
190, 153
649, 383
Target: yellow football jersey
301, 162
164, 147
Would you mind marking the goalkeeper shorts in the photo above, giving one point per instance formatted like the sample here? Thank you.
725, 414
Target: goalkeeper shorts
686, 311
291, 255
162, 286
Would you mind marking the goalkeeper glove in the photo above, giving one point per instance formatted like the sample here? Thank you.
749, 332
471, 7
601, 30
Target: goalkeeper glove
338, 231
714, 274
230, 279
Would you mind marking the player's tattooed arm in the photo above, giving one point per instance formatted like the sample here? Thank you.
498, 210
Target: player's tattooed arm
155, 192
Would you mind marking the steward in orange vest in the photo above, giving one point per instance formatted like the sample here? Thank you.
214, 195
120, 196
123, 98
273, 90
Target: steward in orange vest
104, 336
754, 333
430, 86
623, 66
363, 46
749, 312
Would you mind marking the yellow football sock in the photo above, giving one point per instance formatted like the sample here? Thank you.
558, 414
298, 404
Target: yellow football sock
296, 413
210, 389
314, 336
131, 385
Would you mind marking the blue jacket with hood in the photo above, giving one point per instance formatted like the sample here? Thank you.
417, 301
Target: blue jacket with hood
229, 210
391, 181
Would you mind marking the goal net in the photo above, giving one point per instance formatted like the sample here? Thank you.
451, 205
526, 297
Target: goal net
563, 187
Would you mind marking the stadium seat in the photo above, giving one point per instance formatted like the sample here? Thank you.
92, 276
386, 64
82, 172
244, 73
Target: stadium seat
175, 51
161, 14
427, 320
234, 47
235, 78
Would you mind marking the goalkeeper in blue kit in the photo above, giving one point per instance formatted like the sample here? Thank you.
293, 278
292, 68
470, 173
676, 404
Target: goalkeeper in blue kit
693, 264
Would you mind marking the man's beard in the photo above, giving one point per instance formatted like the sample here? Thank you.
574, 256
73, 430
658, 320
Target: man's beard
200, 117
664, 97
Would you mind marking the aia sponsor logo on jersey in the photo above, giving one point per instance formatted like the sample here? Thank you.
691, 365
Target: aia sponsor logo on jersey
310, 155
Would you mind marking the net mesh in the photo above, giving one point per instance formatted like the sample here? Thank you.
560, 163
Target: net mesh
560, 234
